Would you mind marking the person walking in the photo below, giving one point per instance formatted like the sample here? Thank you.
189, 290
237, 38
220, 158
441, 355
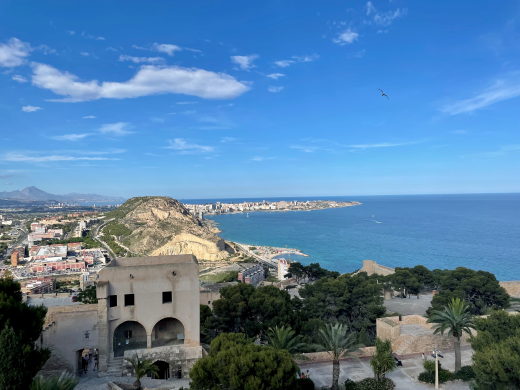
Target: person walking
423, 357
96, 362
86, 363
82, 364
308, 374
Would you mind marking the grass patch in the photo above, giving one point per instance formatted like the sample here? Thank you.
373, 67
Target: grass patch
228, 276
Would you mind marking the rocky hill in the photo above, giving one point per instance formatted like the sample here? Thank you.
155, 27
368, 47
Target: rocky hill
156, 226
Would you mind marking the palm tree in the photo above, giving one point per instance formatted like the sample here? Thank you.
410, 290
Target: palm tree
284, 338
456, 319
382, 361
142, 368
65, 381
339, 344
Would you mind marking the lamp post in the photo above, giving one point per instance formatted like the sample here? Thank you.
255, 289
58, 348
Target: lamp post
436, 369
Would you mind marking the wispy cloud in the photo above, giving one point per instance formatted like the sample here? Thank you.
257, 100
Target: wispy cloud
100, 38
115, 128
504, 150
274, 89
503, 89
306, 149
70, 32
186, 103
137, 60
13, 53
245, 62
31, 108
185, 147
275, 76
89, 117
386, 18
19, 78
370, 8
346, 37
25, 157
227, 139
382, 145
84, 54
110, 49
295, 59
260, 158
71, 137
166, 48
149, 80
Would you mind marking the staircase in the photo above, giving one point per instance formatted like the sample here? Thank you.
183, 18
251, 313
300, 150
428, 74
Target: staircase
115, 367
405, 345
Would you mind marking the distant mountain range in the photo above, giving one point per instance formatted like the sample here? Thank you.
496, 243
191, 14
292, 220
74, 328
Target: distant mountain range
35, 194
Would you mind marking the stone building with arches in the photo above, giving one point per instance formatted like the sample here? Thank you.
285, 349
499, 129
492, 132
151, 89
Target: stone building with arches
147, 307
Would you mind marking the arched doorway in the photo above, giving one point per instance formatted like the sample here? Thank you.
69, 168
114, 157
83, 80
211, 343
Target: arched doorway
168, 331
163, 369
129, 335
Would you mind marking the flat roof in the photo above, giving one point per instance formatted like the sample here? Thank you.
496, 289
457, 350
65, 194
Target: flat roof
151, 260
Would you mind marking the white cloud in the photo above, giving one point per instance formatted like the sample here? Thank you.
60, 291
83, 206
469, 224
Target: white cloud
284, 63
89, 117
310, 58
275, 76
84, 54
31, 108
306, 149
187, 148
272, 88
115, 128
381, 145
110, 49
370, 8
45, 49
19, 78
502, 90
245, 62
186, 103
385, 19
70, 32
100, 38
139, 47
347, 36
259, 158
193, 50
70, 137
149, 80
20, 157
13, 53
136, 60
189, 112
227, 139
165, 48
358, 54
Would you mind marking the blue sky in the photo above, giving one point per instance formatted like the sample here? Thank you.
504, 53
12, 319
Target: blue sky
207, 99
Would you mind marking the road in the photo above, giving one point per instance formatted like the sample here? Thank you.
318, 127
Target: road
96, 235
263, 261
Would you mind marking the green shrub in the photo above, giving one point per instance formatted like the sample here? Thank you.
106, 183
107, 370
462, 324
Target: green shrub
351, 385
304, 384
429, 365
429, 376
465, 373
372, 384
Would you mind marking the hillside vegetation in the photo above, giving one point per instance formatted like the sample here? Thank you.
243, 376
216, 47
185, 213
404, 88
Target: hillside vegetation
156, 225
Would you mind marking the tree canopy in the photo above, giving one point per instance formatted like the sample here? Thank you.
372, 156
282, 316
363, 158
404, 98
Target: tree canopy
496, 361
21, 326
480, 289
236, 363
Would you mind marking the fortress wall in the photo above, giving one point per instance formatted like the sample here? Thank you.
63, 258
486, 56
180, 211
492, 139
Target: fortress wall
325, 356
371, 267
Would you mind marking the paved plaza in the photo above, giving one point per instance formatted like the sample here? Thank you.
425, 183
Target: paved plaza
52, 301
405, 377
409, 306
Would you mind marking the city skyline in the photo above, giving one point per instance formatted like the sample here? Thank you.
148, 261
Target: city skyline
236, 100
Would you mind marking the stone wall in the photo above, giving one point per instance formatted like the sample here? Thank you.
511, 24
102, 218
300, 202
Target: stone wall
326, 357
53, 310
174, 355
371, 267
512, 288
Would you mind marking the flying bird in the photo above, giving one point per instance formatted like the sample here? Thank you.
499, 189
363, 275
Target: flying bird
384, 94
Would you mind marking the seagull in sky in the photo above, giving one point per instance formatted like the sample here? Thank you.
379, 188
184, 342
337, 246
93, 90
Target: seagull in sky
384, 94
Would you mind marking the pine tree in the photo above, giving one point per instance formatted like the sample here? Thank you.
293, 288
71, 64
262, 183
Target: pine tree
12, 362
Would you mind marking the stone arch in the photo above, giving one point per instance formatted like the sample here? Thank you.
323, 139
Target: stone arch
168, 331
127, 336
164, 369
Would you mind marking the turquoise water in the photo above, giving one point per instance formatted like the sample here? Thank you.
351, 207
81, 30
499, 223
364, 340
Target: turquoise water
478, 231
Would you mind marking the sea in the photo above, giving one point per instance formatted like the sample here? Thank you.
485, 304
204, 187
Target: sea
477, 231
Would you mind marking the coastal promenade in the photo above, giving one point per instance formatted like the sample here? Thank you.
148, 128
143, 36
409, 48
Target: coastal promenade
245, 248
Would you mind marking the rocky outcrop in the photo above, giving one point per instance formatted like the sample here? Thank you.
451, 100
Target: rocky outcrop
163, 226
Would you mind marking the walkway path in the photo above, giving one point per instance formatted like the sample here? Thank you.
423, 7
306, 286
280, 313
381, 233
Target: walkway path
405, 377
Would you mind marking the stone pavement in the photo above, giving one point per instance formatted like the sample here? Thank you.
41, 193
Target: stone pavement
405, 377
405, 306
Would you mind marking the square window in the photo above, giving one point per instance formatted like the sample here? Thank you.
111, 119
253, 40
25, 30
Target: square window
209, 302
112, 300
167, 297
129, 299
